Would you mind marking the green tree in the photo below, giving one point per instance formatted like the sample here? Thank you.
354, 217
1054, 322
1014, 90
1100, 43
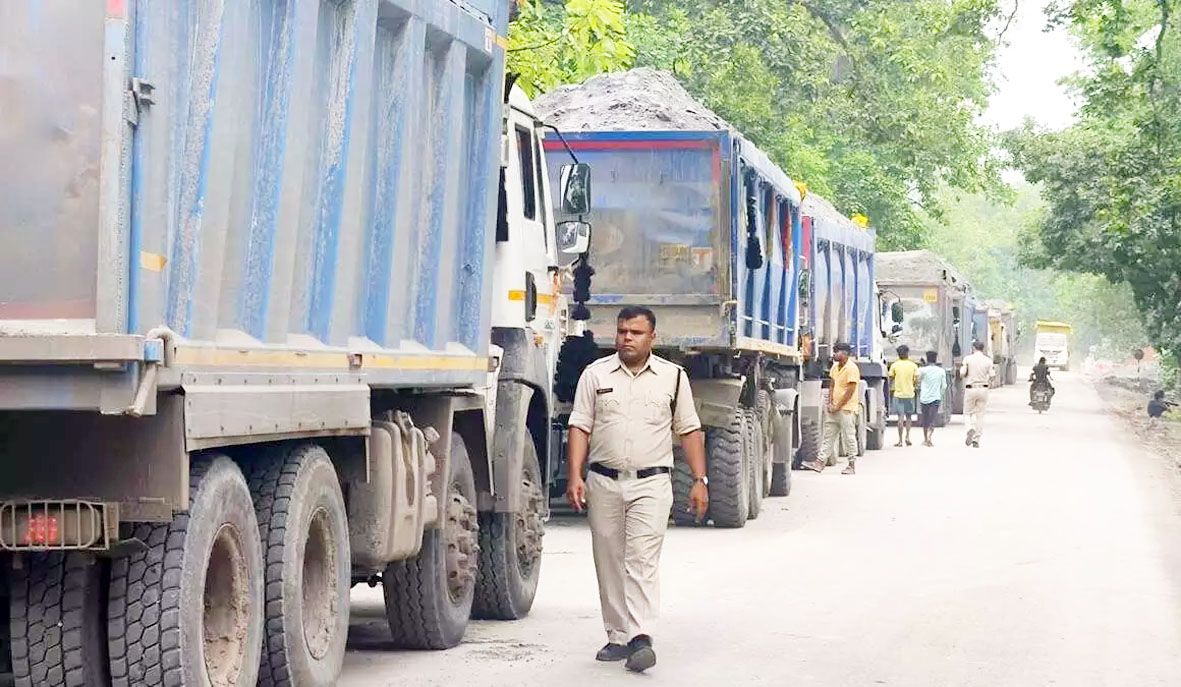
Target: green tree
551, 45
1113, 180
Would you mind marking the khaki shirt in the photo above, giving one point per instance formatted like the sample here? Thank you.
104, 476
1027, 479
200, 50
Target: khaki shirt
976, 369
629, 417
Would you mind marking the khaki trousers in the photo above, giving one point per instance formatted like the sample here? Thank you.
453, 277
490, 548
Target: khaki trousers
839, 438
975, 403
628, 518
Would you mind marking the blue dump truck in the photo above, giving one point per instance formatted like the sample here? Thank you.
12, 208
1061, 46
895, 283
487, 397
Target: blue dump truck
840, 303
703, 229
279, 299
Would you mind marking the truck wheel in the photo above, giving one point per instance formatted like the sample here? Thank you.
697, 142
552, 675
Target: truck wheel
729, 505
188, 609
303, 526
510, 550
862, 430
682, 479
428, 598
57, 621
754, 462
809, 449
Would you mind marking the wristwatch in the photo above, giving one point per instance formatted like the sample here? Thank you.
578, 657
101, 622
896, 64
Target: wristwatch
703, 479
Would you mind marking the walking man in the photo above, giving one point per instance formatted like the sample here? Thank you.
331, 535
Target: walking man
625, 410
902, 378
932, 386
977, 373
840, 416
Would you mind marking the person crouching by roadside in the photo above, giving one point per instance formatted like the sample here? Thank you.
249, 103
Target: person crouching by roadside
932, 386
902, 380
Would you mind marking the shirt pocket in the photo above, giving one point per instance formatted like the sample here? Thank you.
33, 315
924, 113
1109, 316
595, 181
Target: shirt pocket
658, 407
607, 406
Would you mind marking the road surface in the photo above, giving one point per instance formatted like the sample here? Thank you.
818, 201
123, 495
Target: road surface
1049, 555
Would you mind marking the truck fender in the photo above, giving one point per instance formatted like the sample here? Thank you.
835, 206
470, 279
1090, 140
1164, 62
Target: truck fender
511, 430
786, 424
716, 400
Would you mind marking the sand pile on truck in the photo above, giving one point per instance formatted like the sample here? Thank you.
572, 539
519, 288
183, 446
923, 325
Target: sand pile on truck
820, 209
639, 99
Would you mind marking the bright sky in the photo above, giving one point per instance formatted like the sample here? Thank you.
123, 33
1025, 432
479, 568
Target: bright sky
1029, 67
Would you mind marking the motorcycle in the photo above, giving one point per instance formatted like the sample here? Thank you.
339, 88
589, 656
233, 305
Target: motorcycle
1041, 398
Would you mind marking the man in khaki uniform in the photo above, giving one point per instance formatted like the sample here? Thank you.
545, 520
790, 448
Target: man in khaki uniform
977, 373
625, 410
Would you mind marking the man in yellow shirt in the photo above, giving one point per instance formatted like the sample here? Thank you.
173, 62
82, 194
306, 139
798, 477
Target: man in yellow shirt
902, 377
840, 416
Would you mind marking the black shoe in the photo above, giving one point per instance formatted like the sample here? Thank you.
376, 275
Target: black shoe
968, 439
612, 652
640, 656
975, 444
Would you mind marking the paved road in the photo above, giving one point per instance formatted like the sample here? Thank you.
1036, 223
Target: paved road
1048, 556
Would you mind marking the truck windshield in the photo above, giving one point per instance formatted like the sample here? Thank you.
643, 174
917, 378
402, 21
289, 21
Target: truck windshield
654, 212
1051, 340
920, 326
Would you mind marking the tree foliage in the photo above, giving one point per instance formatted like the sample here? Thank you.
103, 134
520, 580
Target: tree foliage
873, 104
1113, 180
551, 45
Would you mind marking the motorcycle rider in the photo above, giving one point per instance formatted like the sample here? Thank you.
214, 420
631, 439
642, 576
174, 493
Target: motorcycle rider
1040, 377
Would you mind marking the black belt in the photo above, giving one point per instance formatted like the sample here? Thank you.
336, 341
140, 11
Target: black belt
641, 473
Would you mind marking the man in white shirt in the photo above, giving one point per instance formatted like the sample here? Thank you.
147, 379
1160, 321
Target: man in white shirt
977, 372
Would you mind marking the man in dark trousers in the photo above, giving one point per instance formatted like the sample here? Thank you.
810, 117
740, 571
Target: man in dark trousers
626, 408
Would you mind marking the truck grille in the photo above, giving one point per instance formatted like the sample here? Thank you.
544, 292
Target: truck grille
54, 526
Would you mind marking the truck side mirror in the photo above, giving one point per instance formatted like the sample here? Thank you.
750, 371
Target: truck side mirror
576, 189
895, 330
896, 312
572, 240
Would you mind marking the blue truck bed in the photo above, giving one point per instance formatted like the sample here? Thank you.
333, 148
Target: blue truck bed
671, 212
296, 185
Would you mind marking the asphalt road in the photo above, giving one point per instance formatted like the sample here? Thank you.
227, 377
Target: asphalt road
1049, 556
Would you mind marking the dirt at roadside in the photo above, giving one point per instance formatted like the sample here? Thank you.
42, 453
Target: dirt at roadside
1127, 397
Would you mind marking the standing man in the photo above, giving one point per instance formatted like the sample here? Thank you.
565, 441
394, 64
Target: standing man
840, 417
625, 410
902, 377
932, 386
977, 373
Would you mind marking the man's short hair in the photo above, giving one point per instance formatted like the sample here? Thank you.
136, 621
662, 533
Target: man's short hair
633, 311
932, 356
842, 346
978, 345
903, 351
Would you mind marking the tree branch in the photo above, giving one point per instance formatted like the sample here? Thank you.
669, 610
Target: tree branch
1009, 21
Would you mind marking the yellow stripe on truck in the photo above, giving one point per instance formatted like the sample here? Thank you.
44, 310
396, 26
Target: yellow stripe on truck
220, 357
542, 298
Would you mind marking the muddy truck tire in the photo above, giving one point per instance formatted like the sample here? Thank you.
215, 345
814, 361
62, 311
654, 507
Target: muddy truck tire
303, 527
57, 620
682, 481
188, 608
729, 489
754, 462
809, 449
428, 598
510, 549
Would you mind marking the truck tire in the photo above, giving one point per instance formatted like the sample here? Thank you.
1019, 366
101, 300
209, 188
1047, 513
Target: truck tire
303, 526
764, 410
809, 449
754, 462
187, 610
57, 621
729, 505
862, 430
682, 479
510, 550
428, 598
